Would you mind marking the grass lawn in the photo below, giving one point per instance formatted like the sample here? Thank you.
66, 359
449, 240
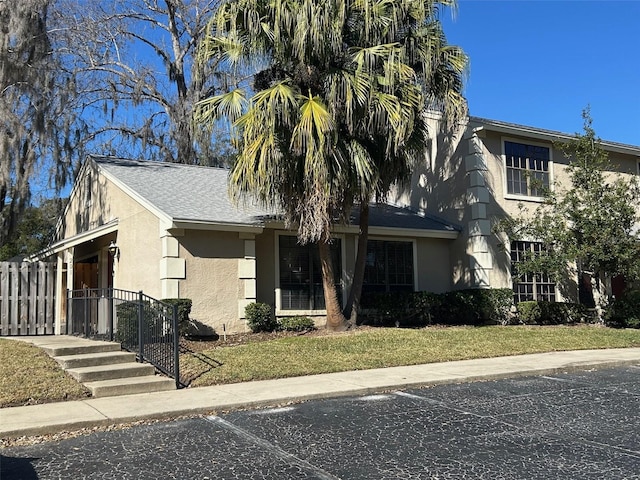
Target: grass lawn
29, 376
387, 347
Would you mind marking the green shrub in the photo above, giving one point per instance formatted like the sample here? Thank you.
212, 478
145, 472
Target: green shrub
462, 307
625, 311
391, 308
498, 305
552, 313
184, 309
297, 324
529, 313
127, 321
259, 317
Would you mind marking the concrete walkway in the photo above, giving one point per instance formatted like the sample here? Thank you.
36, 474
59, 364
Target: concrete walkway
68, 416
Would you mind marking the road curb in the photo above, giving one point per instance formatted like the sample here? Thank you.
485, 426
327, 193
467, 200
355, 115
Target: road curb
240, 401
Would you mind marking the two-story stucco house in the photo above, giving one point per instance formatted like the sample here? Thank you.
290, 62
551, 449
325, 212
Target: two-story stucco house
178, 235
486, 170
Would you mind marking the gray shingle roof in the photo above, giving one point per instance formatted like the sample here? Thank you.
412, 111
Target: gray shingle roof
182, 192
199, 194
389, 216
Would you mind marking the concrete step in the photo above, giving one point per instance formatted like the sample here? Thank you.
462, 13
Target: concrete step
78, 348
94, 359
128, 386
110, 372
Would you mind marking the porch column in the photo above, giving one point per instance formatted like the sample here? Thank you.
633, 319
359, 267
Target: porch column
61, 293
247, 273
479, 226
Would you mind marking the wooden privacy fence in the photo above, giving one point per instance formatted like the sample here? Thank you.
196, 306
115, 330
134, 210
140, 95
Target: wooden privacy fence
27, 298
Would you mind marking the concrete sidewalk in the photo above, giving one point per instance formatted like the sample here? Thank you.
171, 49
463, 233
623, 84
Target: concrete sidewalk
68, 416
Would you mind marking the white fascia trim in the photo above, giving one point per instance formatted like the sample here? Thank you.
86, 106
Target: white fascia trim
213, 226
549, 136
413, 232
83, 237
135, 195
398, 232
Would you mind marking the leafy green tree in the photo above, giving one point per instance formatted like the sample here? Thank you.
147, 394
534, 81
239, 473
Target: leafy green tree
592, 224
335, 114
34, 230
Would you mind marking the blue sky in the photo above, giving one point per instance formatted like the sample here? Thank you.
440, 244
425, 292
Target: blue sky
540, 63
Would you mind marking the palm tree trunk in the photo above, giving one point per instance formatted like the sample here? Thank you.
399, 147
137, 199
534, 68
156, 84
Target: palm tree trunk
336, 321
355, 293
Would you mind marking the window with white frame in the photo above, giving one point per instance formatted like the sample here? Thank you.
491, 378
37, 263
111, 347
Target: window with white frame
301, 274
530, 286
527, 169
389, 267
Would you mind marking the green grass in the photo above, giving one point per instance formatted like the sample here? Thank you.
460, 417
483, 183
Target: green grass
29, 376
386, 347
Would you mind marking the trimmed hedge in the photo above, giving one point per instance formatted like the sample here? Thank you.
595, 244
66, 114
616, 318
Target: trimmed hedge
462, 307
297, 324
260, 318
552, 313
184, 309
127, 320
625, 311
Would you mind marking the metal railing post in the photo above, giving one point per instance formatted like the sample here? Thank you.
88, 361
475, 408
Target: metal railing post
110, 291
140, 326
176, 346
68, 311
86, 313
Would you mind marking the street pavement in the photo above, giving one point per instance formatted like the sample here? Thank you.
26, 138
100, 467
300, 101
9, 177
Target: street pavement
582, 424
66, 416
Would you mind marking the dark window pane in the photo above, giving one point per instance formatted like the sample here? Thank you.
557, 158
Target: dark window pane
527, 287
388, 268
527, 169
301, 274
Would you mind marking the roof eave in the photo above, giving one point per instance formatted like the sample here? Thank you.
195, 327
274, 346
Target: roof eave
75, 240
548, 135
187, 224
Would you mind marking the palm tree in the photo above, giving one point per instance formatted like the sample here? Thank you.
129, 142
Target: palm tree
335, 115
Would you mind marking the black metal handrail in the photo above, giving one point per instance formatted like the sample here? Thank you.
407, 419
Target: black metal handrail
140, 323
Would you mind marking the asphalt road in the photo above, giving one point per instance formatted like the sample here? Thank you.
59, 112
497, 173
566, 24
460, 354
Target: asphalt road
570, 426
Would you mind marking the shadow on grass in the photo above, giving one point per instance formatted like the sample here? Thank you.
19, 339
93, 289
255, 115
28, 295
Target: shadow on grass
206, 363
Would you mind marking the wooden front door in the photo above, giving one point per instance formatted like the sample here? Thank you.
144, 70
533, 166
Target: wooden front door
85, 274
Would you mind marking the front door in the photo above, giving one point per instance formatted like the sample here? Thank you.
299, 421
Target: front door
85, 274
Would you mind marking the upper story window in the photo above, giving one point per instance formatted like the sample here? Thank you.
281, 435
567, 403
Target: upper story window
527, 169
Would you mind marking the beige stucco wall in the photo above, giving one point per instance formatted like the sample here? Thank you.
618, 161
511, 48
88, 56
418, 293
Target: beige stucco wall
434, 266
447, 184
212, 280
137, 237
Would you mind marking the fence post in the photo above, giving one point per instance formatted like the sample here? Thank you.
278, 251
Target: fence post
176, 345
140, 326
